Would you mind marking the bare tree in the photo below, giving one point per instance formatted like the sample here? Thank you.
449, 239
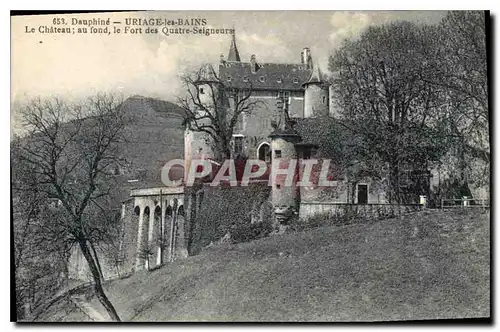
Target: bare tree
72, 149
458, 65
39, 262
214, 107
384, 102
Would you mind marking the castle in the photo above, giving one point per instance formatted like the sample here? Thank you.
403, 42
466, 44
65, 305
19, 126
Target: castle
258, 134
161, 219
301, 85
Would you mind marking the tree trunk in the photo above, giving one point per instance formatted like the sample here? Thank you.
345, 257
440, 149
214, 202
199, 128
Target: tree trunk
394, 194
96, 260
99, 291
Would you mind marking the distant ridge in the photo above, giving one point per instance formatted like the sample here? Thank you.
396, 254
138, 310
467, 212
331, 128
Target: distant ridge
158, 105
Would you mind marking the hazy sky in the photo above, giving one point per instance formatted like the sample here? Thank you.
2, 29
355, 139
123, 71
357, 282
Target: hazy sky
46, 64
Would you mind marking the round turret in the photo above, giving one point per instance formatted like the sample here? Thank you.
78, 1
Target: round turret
285, 198
316, 95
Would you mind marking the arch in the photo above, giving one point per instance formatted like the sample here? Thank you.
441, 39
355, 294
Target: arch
168, 211
167, 231
180, 211
264, 152
137, 210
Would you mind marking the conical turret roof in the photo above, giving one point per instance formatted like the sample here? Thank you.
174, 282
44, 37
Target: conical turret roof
284, 127
233, 55
207, 75
315, 78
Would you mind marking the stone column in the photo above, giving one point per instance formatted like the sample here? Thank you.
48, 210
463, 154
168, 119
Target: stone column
139, 264
151, 234
161, 251
173, 231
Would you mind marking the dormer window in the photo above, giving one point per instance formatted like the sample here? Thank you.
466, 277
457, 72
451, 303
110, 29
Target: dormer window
278, 80
261, 78
295, 80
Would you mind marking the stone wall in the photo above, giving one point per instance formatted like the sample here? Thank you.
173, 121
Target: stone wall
338, 212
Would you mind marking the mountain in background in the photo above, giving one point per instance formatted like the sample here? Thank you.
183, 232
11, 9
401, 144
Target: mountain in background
154, 136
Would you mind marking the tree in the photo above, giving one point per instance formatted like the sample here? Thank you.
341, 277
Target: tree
383, 100
458, 65
214, 108
72, 149
38, 262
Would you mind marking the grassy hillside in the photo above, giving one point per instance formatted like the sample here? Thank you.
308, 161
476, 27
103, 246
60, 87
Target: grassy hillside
154, 136
427, 266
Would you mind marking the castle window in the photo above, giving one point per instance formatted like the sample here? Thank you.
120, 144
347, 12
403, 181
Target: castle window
240, 123
229, 78
264, 153
201, 91
324, 99
242, 94
245, 79
306, 154
261, 78
300, 67
283, 94
278, 80
277, 153
238, 144
295, 80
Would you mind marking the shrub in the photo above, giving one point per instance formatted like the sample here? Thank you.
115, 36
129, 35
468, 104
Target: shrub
229, 210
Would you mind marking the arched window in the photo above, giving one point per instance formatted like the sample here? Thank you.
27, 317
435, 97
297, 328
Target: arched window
168, 211
264, 152
157, 222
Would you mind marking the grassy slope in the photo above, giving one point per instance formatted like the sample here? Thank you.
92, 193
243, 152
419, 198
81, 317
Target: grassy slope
431, 265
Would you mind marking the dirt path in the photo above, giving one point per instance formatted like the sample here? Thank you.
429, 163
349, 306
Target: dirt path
88, 310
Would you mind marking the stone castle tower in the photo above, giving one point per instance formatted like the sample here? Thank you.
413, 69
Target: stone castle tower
285, 194
316, 92
197, 144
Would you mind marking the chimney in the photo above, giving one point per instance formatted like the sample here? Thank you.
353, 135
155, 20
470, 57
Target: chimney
253, 64
305, 55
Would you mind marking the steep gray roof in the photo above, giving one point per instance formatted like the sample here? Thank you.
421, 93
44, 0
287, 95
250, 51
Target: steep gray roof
268, 76
316, 76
